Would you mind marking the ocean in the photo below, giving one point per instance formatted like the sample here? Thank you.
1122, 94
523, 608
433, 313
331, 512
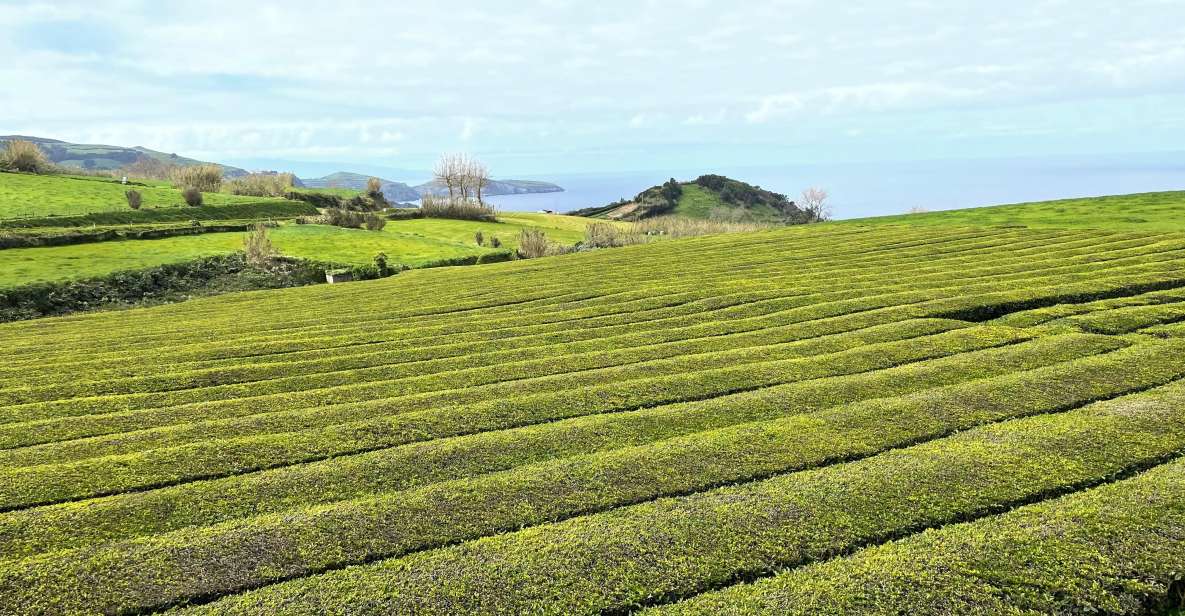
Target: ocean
874, 189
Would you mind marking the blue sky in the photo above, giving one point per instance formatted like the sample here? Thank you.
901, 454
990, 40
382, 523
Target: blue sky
557, 86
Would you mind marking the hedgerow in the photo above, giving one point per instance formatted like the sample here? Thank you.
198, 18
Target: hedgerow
1116, 549
306, 347
669, 548
847, 307
612, 430
238, 211
341, 478
389, 422
532, 376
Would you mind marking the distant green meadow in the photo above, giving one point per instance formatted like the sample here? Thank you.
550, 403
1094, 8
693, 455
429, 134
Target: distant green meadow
1164, 211
31, 196
408, 242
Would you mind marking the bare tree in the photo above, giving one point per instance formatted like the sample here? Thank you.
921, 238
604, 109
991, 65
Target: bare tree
479, 177
814, 203
448, 171
463, 176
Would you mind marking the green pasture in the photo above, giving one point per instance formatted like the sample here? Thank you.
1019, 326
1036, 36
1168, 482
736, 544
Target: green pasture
409, 242
36, 196
1159, 211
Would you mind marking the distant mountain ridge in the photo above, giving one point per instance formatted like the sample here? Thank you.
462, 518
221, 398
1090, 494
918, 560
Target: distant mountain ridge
495, 187
400, 191
393, 191
109, 157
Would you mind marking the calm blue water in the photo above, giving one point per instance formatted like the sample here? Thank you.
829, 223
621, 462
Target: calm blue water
871, 189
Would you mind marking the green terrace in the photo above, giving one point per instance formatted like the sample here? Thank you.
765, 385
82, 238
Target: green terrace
801, 420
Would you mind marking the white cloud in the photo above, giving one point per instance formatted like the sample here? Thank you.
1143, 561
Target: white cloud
254, 78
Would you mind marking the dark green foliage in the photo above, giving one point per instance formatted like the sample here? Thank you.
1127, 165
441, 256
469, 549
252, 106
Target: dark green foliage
317, 199
123, 288
134, 199
671, 191
243, 211
50, 236
380, 265
374, 222
746, 195
349, 219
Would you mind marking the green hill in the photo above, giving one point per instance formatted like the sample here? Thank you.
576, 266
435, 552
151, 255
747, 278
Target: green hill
709, 196
929, 419
108, 157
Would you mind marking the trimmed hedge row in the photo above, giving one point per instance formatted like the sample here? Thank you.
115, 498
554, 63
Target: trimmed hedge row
65, 237
815, 310
526, 377
209, 502
90, 342
642, 554
387, 423
134, 286
238, 211
301, 344
1116, 549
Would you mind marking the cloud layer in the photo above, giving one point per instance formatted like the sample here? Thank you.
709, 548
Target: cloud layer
557, 85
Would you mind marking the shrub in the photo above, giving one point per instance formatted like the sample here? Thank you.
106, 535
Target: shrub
261, 185
134, 199
192, 196
374, 222
380, 264
205, 178
479, 238
456, 207
258, 247
344, 218
21, 155
533, 243
495, 242
317, 199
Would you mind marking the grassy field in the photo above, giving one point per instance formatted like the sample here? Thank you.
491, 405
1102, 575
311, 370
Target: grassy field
829, 419
698, 202
1161, 211
28, 196
410, 242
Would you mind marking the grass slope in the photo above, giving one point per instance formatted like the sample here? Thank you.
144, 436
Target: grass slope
800, 420
35, 196
698, 202
1160, 211
410, 242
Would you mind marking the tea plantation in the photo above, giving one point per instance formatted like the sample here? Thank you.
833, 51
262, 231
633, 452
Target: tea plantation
831, 419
